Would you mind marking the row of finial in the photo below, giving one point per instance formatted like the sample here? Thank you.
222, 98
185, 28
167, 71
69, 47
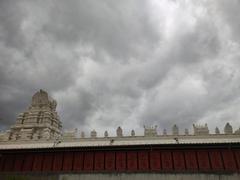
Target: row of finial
152, 131
119, 133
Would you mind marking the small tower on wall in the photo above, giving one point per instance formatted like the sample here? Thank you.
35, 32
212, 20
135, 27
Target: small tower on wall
175, 130
119, 132
164, 132
93, 134
105, 134
237, 131
39, 122
200, 129
228, 129
132, 133
150, 131
217, 131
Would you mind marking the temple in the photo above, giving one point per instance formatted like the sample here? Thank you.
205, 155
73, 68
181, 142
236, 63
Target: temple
37, 144
39, 122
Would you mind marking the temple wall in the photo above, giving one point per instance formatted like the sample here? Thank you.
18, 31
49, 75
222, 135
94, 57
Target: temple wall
218, 160
124, 176
150, 177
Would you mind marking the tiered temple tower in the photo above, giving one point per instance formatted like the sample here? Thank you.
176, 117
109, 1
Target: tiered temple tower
40, 121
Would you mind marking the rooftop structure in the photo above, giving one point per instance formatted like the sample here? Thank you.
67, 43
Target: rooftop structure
119, 132
150, 131
228, 129
36, 143
200, 130
175, 130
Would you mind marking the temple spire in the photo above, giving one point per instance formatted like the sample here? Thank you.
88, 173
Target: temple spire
40, 121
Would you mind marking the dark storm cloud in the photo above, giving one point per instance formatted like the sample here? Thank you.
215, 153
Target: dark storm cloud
125, 63
116, 28
10, 29
230, 13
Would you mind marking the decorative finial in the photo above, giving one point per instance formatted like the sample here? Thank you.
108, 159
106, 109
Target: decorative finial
93, 134
228, 129
132, 133
105, 134
164, 132
175, 130
217, 130
119, 132
237, 131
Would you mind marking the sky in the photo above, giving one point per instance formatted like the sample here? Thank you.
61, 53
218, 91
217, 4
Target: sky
125, 63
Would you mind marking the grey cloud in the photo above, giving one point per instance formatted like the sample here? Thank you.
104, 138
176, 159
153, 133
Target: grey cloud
78, 107
109, 63
116, 28
230, 13
11, 17
218, 89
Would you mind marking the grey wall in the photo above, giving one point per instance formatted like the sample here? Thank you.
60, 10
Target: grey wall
150, 177
143, 176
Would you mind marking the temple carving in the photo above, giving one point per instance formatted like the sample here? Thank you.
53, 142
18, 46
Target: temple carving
40, 121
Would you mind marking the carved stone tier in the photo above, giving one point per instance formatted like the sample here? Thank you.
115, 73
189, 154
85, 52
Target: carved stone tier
40, 121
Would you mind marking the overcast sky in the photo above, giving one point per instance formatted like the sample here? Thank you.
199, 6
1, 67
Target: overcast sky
122, 63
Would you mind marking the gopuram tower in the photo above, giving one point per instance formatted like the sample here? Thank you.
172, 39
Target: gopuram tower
40, 121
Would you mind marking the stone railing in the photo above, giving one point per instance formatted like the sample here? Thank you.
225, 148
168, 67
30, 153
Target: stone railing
152, 131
